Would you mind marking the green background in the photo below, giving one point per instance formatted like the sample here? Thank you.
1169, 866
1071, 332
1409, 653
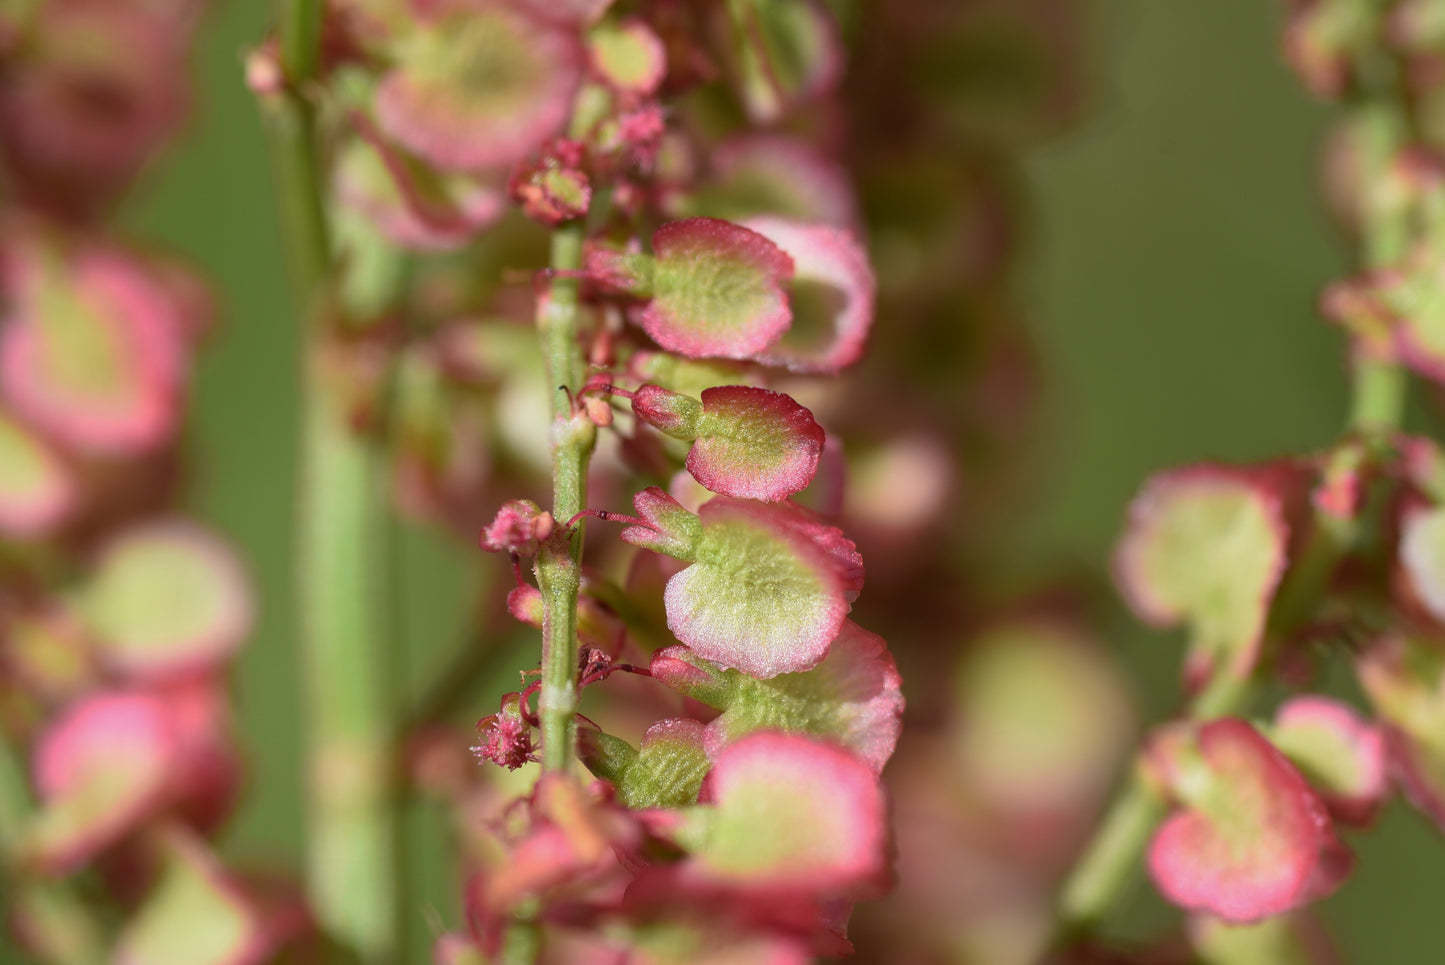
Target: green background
1179, 248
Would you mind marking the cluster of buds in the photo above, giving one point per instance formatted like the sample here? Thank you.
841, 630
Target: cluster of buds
1277, 568
119, 618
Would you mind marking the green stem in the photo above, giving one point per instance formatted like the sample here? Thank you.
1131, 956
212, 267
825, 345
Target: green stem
1111, 858
340, 569
1378, 397
59, 925
1107, 865
1378, 386
300, 29
559, 562
351, 864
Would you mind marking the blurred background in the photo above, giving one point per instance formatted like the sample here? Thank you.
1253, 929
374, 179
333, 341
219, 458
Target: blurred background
1177, 248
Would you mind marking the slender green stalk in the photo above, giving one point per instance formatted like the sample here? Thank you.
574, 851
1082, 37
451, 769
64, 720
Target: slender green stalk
300, 29
351, 864
1107, 865
559, 563
340, 569
1378, 386
58, 923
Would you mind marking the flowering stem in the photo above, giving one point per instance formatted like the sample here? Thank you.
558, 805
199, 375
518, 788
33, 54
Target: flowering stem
340, 575
559, 562
1377, 394
57, 922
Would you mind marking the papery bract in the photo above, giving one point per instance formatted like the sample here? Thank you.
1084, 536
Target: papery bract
210, 772
754, 443
747, 442
1317, 49
165, 598
195, 915
1205, 545
790, 54
1043, 719
630, 144
832, 295
689, 377
1253, 840
628, 56
91, 353
411, 205
37, 492
776, 175
717, 290
1405, 681
1422, 556
852, 697
570, 839
478, 84
97, 88
768, 589
46, 654
1340, 754
666, 771
100, 769
788, 814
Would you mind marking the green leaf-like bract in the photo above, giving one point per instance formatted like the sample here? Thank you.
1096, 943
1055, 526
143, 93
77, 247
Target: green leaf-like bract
717, 290
1206, 545
1422, 553
35, 489
477, 84
852, 697
193, 917
165, 598
791, 814
1253, 840
768, 590
668, 769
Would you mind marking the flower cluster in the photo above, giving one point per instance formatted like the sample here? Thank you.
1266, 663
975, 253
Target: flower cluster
720, 259
1277, 568
119, 617
747, 815
699, 269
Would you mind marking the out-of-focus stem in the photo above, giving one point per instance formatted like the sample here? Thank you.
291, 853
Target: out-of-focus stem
1104, 870
1378, 385
57, 923
559, 562
300, 30
340, 565
351, 861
